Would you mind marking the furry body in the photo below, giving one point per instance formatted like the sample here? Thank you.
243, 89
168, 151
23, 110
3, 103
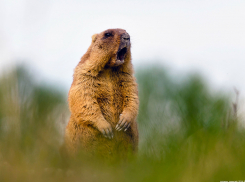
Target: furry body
103, 92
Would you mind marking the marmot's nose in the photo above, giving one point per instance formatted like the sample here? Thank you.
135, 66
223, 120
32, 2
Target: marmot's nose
125, 37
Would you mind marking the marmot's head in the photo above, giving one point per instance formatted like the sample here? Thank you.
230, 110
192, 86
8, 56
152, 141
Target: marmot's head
114, 45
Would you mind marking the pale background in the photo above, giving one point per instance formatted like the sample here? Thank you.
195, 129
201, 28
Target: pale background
50, 36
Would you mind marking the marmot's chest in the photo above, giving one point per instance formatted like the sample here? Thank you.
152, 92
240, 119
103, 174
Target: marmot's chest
109, 86
109, 93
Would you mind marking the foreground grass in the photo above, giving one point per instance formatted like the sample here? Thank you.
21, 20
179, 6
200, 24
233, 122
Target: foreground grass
187, 133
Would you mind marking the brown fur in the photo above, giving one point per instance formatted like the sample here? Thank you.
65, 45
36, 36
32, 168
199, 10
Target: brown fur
102, 89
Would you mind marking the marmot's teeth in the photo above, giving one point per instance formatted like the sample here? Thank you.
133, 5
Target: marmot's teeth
120, 60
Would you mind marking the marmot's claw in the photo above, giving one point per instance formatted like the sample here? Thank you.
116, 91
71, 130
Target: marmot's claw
122, 125
103, 132
118, 127
127, 127
109, 133
118, 124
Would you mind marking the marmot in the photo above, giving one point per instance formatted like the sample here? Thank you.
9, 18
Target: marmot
103, 98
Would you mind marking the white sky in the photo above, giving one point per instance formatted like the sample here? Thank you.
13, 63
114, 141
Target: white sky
207, 36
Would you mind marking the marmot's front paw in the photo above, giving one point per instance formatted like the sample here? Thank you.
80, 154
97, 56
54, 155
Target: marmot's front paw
124, 122
106, 129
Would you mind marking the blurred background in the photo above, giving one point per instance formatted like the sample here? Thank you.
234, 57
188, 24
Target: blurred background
51, 36
189, 62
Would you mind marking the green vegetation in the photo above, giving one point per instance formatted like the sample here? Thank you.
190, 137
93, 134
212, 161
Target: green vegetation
187, 133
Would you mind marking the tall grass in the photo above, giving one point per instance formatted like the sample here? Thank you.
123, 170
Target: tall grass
187, 133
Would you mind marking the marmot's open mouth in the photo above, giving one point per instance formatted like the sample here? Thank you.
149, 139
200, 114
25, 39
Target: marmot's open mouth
121, 54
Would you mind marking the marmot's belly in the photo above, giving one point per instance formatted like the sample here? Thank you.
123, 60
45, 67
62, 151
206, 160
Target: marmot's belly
111, 107
90, 139
85, 132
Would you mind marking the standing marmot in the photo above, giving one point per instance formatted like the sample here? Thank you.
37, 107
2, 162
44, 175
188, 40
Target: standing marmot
103, 98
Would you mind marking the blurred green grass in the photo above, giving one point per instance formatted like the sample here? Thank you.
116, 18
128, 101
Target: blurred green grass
187, 133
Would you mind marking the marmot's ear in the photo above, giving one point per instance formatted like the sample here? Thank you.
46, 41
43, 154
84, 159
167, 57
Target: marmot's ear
94, 37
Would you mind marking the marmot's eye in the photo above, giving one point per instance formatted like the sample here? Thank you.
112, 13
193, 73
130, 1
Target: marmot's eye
108, 35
